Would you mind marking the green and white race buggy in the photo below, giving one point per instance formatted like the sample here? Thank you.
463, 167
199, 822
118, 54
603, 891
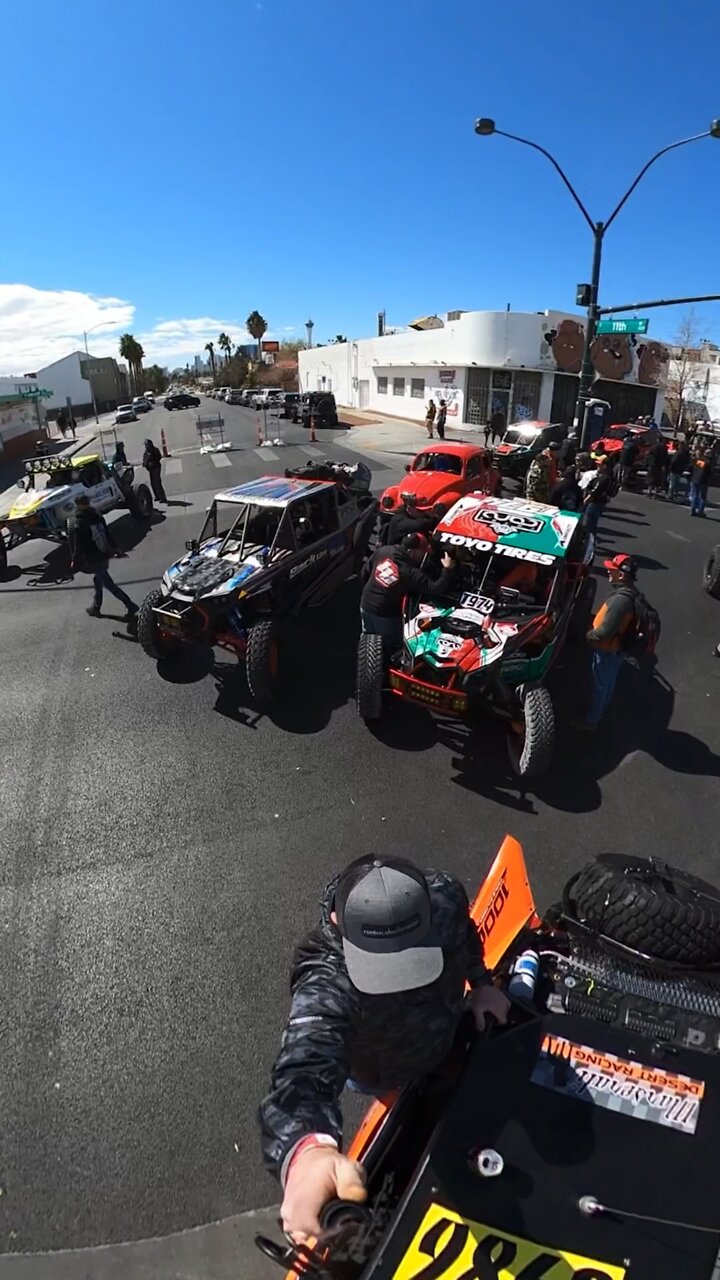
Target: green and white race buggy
522, 586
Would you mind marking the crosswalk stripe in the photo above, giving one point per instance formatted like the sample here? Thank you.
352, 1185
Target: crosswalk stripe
268, 455
220, 460
313, 450
172, 467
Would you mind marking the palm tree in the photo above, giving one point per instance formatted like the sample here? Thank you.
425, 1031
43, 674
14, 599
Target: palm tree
127, 352
139, 371
210, 348
256, 327
226, 344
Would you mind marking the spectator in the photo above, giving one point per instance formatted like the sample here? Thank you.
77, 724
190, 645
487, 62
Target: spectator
119, 458
628, 455
62, 423
537, 481
566, 493
699, 482
567, 453
657, 459
497, 425
430, 418
679, 463
606, 636
441, 419
91, 546
72, 425
486, 432
152, 462
597, 496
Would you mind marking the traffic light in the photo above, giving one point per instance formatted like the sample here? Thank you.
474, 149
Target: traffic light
583, 295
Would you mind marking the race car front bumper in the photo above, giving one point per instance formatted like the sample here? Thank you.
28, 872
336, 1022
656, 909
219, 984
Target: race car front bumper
448, 702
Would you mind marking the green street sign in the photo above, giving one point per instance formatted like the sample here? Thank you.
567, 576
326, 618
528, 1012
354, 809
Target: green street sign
623, 326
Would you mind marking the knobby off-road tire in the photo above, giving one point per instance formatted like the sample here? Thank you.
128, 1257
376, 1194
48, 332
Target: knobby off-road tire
673, 917
370, 676
582, 614
531, 754
711, 573
3, 556
154, 645
261, 663
140, 503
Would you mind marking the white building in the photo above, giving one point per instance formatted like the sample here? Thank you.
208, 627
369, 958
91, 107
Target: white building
522, 364
22, 416
695, 375
69, 380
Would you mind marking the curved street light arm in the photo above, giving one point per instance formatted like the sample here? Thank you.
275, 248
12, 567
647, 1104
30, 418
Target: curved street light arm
683, 142
536, 147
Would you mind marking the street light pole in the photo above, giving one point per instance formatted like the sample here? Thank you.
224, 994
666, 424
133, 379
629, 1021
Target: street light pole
484, 127
87, 366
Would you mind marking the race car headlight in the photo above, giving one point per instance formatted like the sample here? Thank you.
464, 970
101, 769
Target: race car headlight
387, 502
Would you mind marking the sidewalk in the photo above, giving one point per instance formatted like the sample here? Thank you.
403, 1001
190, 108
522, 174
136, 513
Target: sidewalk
397, 437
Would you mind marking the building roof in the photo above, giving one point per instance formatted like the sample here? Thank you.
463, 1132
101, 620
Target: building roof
272, 491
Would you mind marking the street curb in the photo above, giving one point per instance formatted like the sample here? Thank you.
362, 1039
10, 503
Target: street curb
219, 1251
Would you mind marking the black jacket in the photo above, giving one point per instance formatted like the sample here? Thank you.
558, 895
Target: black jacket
628, 451
700, 474
567, 495
392, 575
91, 542
403, 522
152, 457
567, 452
680, 461
335, 1033
599, 489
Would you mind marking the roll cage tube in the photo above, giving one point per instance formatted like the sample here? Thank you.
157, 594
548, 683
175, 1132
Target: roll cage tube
238, 528
514, 604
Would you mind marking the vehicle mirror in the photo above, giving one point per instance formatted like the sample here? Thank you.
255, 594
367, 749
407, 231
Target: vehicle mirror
20, 484
192, 545
407, 466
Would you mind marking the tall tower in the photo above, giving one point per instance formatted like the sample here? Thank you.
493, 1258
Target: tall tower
309, 325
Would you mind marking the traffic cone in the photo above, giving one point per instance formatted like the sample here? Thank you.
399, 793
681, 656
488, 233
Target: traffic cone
165, 451
259, 432
313, 437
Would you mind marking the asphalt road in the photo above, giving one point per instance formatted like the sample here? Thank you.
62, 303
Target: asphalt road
162, 846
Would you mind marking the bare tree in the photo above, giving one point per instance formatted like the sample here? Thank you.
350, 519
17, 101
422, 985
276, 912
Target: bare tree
686, 380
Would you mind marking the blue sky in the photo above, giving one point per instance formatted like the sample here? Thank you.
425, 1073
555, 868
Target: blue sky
189, 163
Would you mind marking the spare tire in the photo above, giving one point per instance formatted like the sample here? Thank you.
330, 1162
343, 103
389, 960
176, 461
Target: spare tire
650, 907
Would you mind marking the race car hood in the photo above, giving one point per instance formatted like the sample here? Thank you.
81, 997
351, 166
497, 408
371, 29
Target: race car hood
427, 487
429, 636
607, 447
203, 573
523, 445
34, 501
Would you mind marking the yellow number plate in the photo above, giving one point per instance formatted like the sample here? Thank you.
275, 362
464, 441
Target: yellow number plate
448, 1247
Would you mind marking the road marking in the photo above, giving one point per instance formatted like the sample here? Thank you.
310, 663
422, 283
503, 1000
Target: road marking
220, 460
313, 450
268, 455
680, 536
173, 466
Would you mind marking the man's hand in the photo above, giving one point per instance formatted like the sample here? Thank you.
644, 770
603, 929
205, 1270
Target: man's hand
318, 1175
492, 1000
446, 560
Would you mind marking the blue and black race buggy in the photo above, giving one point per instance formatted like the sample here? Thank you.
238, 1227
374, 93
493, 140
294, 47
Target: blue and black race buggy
268, 549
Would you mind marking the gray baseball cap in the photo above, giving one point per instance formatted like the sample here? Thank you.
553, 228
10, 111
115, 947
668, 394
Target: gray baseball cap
384, 915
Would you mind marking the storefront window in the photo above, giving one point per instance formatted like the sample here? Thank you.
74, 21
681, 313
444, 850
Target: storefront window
382, 386
398, 386
525, 395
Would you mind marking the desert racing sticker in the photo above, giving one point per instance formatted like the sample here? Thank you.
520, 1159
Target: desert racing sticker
646, 1093
448, 1247
483, 544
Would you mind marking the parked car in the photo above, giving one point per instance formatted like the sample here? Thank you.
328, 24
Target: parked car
125, 413
234, 397
263, 397
248, 394
522, 442
288, 400
318, 404
141, 404
150, 397
182, 400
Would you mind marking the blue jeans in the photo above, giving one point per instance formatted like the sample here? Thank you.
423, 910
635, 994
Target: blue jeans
101, 578
673, 485
391, 629
697, 497
605, 671
593, 511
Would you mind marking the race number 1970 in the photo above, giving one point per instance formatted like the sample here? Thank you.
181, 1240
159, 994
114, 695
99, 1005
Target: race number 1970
448, 1247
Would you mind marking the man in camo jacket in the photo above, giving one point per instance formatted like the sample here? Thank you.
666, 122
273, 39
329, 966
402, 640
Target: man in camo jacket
378, 988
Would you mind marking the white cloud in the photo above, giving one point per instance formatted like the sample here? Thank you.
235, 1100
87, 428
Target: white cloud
38, 326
